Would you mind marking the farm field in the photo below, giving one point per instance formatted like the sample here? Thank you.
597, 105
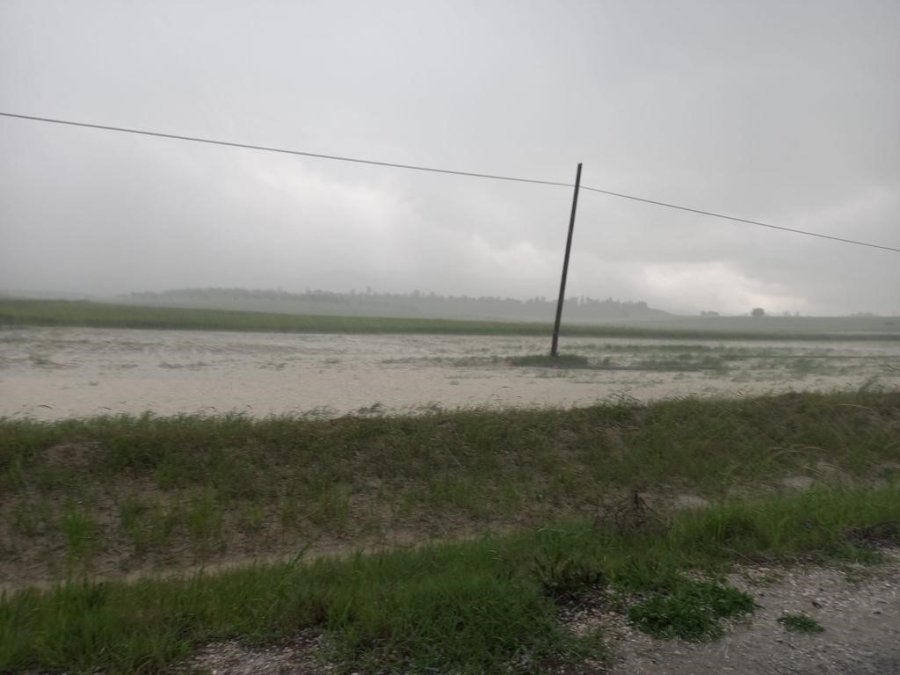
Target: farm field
92, 314
53, 373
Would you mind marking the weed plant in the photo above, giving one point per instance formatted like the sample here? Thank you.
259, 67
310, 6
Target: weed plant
800, 623
691, 610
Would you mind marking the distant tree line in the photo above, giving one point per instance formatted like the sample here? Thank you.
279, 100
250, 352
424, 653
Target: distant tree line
414, 304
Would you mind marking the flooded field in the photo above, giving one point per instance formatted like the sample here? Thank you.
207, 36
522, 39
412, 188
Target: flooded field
54, 373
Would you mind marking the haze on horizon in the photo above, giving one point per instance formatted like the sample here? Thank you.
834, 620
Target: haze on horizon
780, 112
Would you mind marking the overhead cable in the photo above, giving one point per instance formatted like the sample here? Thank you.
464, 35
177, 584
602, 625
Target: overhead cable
316, 155
740, 220
471, 174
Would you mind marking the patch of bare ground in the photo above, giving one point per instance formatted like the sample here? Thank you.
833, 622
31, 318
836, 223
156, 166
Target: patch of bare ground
71, 455
303, 654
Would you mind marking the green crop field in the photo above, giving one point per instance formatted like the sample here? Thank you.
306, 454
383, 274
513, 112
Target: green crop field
19, 312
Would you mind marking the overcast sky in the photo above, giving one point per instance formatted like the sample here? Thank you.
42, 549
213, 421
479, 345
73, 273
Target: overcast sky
784, 112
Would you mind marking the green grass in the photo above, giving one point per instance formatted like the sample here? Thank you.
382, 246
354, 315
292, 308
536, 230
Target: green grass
80, 532
146, 525
233, 485
117, 494
22, 312
800, 623
691, 611
490, 605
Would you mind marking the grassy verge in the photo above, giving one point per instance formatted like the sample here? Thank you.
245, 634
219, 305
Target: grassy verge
112, 494
21, 312
538, 494
492, 605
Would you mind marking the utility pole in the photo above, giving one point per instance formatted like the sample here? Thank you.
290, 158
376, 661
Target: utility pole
565, 269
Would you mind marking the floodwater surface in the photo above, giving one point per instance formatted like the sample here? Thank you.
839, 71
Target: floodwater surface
54, 373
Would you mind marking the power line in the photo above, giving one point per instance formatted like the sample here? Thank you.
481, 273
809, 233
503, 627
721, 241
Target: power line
740, 220
247, 146
471, 174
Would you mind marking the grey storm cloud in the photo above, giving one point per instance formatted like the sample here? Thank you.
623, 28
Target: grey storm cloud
779, 112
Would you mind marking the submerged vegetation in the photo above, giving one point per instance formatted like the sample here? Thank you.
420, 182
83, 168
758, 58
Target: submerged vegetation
547, 361
558, 509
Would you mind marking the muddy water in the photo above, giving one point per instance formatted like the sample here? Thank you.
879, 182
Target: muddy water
52, 373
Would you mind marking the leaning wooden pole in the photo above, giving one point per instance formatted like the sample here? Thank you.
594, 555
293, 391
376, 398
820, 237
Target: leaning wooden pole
565, 269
